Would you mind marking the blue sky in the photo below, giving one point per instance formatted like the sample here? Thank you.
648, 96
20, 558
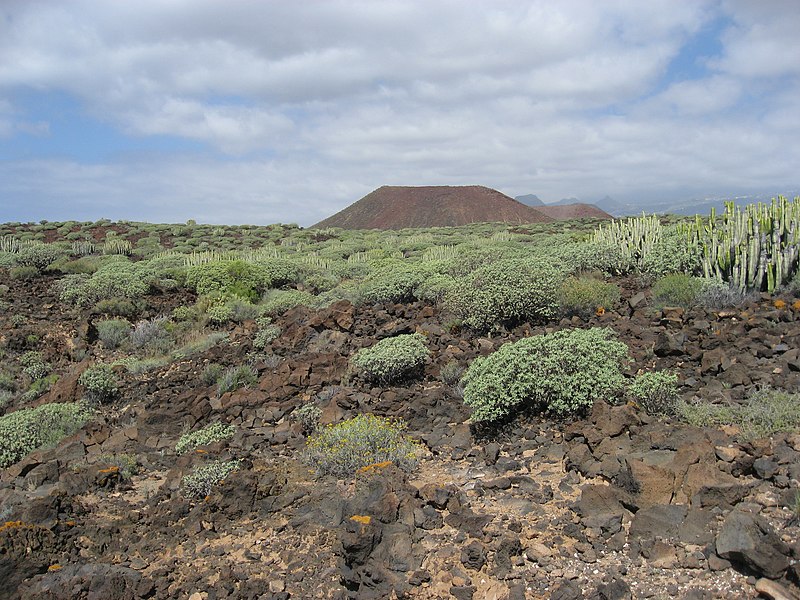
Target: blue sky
285, 111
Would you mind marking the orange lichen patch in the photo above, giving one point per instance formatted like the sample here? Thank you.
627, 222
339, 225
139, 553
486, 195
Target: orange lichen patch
199, 451
374, 467
113, 469
363, 519
70, 523
600, 311
779, 304
16, 525
55, 567
796, 305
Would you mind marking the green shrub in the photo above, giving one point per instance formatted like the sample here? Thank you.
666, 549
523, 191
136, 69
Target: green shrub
113, 332
120, 307
100, 383
308, 416
39, 387
763, 414
391, 281
115, 279
39, 256
209, 434
265, 336
677, 290
342, 449
202, 479
451, 373
506, 292
655, 392
23, 273
583, 295
152, 337
34, 366
719, 294
212, 373
235, 378
674, 252
27, 429
562, 372
277, 302
127, 464
392, 359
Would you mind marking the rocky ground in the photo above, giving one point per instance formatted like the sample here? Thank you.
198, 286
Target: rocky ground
616, 505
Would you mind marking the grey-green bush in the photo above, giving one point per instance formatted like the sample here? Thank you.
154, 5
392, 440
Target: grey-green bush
209, 434
506, 292
563, 373
392, 359
359, 442
113, 332
100, 383
584, 295
27, 429
202, 479
656, 392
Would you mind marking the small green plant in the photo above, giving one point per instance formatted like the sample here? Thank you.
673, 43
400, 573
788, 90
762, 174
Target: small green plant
392, 359
562, 372
100, 383
113, 332
677, 290
28, 429
655, 392
506, 292
343, 449
451, 372
199, 483
127, 464
152, 337
212, 373
235, 378
584, 295
765, 413
23, 273
308, 416
215, 432
34, 365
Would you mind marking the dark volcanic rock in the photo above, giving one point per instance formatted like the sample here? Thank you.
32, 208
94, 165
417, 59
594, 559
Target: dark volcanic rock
93, 582
750, 540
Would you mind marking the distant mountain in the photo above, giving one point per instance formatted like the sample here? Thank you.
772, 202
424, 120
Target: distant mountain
579, 210
400, 207
564, 201
529, 199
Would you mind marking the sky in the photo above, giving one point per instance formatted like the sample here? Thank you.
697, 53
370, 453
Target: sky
258, 112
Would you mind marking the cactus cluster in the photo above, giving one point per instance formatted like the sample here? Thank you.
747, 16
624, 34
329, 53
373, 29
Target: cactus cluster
633, 238
753, 248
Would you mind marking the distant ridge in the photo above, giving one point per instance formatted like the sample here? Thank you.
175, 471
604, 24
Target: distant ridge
530, 200
401, 207
579, 210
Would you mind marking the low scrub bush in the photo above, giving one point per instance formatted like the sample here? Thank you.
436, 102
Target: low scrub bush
391, 281
34, 365
308, 416
506, 292
562, 373
202, 479
212, 373
235, 378
765, 413
112, 333
719, 294
342, 449
28, 429
23, 273
152, 337
677, 290
100, 383
277, 302
115, 279
215, 432
584, 295
392, 359
655, 392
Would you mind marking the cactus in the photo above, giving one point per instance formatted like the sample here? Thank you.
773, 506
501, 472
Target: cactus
754, 247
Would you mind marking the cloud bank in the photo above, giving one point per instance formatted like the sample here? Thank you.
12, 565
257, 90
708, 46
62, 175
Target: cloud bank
289, 111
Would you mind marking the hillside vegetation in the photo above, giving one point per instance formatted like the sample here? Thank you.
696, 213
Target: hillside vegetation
466, 411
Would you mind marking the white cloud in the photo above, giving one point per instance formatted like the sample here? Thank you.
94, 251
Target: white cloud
559, 99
